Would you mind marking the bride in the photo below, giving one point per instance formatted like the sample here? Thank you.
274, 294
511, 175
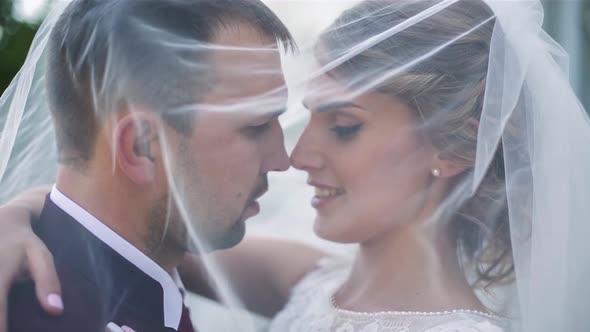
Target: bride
386, 164
424, 116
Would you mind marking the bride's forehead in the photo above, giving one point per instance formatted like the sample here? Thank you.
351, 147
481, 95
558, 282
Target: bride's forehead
325, 88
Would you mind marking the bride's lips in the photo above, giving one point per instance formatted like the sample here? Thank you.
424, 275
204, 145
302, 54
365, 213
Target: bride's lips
324, 195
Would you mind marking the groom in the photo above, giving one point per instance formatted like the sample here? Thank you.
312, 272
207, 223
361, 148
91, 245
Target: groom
136, 175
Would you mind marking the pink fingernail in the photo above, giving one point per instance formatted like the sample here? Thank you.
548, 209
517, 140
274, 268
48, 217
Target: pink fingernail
127, 329
112, 327
55, 301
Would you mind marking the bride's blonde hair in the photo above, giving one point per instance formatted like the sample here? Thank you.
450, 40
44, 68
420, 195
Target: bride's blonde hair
446, 90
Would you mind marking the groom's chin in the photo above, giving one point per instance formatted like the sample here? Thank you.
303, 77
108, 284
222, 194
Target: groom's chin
233, 236
228, 239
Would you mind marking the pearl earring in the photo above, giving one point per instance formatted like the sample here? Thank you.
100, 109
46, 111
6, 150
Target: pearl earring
435, 172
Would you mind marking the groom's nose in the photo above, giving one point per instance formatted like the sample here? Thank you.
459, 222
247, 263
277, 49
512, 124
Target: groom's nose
283, 162
276, 159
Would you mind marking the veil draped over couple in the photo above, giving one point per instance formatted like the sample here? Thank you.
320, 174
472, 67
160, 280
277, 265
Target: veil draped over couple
441, 137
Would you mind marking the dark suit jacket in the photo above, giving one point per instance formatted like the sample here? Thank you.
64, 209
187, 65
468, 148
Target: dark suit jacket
98, 284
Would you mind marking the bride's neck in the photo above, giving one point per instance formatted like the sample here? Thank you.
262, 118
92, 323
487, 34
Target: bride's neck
408, 269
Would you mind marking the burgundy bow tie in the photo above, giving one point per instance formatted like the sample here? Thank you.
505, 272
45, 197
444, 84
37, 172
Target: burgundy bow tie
185, 321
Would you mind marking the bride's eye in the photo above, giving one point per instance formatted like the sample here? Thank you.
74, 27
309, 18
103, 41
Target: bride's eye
344, 132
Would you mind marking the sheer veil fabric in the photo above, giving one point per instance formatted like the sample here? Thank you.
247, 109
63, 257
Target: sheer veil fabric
502, 106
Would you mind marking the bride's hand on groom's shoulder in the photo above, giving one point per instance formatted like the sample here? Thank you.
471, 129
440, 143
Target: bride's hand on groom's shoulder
112, 327
24, 255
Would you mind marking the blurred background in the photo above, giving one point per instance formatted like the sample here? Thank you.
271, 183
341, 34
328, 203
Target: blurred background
568, 21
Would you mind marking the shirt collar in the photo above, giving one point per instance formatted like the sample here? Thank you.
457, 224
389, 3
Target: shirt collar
171, 284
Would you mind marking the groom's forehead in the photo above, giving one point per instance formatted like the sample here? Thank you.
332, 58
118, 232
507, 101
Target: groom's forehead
244, 80
241, 51
246, 73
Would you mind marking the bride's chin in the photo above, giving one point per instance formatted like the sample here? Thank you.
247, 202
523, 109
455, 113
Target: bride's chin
331, 230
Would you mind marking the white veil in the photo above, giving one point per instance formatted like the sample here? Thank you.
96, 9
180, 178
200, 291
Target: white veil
546, 178
529, 115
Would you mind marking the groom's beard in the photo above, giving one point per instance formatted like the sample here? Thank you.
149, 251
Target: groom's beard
166, 234
261, 189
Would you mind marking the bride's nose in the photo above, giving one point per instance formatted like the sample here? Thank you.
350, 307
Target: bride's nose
306, 155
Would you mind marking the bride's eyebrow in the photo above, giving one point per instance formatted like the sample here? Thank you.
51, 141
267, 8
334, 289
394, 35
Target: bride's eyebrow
334, 106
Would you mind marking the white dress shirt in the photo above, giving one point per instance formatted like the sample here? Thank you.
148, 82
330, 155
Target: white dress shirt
171, 284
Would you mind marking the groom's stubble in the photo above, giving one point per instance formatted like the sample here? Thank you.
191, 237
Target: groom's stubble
174, 226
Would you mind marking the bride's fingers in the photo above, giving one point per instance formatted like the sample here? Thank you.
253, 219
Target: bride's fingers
13, 254
47, 286
112, 327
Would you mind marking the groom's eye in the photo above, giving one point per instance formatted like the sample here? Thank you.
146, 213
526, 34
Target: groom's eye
257, 130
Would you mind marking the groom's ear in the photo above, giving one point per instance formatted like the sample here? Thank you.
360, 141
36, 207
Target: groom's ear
136, 138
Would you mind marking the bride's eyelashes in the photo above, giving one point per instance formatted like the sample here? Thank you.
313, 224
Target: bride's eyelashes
346, 132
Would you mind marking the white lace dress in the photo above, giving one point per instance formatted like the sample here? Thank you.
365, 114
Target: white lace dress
310, 309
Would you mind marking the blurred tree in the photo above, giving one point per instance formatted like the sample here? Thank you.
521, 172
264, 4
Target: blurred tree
15, 39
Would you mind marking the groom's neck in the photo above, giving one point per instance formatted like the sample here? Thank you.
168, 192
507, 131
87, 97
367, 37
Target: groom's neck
114, 205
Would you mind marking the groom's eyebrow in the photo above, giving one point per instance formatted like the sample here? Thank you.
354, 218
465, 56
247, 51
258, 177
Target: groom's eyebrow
273, 114
334, 106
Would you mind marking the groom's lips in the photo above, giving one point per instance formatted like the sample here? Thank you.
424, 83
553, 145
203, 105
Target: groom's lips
254, 207
260, 190
253, 204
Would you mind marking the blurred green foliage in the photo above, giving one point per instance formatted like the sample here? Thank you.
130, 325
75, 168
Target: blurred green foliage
15, 39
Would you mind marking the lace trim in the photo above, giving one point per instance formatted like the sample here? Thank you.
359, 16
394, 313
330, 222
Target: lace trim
412, 313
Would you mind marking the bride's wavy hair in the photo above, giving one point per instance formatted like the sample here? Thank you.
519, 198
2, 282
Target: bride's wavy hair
446, 90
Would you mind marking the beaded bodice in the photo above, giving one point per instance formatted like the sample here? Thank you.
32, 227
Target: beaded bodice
310, 308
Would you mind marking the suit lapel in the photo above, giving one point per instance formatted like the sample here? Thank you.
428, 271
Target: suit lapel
126, 295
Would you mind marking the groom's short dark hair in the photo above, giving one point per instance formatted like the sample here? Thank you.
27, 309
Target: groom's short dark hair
92, 35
